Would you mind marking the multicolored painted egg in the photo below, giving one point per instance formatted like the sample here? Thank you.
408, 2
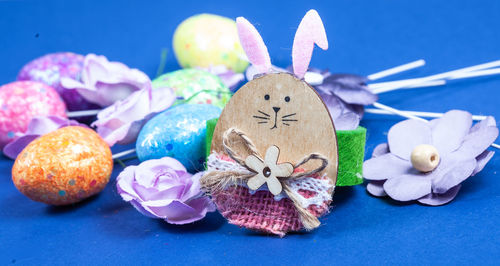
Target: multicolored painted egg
20, 101
178, 132
209, 40
50, 68
199, 86
64, 166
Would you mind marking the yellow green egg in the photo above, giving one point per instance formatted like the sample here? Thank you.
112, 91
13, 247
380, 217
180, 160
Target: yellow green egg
195, 86
209, 40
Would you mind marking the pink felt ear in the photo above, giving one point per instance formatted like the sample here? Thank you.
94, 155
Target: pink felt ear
254, 46
311, 31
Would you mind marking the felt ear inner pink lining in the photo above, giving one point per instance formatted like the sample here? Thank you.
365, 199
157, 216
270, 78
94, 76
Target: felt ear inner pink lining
310, 31
254, 46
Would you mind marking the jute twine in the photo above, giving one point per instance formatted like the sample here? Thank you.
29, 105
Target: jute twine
215, 181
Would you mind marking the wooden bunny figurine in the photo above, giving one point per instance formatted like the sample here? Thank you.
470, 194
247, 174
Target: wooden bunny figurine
274, 155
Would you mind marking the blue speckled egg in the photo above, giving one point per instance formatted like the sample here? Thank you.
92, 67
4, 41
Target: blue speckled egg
178, 132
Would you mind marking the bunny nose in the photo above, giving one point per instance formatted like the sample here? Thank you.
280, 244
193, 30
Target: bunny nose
276, 109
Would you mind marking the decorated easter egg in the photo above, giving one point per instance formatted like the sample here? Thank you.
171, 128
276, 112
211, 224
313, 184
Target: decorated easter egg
64, 166
209, 40
50, 68
178, 132
195, 85
20, 101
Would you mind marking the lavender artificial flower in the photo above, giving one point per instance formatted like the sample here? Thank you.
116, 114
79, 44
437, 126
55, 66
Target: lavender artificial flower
162, 188
37, 127
104, 83
252, 71
462, 151
122, 121
345, 95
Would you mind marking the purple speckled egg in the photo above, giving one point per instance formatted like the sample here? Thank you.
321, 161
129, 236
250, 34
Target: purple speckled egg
20, 101
50, 68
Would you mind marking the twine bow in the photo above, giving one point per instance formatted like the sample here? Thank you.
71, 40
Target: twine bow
232, 139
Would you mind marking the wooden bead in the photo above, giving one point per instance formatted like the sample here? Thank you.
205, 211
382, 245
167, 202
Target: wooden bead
425, 158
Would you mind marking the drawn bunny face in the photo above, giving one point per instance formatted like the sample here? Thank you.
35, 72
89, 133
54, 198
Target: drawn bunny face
275, 104
279, 108
261, 110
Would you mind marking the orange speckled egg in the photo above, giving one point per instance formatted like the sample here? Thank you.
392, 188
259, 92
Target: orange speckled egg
64, 166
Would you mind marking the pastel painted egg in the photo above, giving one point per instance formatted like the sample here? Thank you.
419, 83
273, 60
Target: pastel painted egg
50, 68
20, 101
209, 40
199, 86
178, 132
64, 166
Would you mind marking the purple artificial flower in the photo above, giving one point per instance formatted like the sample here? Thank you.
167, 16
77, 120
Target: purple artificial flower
343, 116
345, 95
252, 71
162, 188
122, 121
104, 83
37, 127
228, 77
462, 152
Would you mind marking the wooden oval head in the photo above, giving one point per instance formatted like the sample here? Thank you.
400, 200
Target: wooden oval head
279, 109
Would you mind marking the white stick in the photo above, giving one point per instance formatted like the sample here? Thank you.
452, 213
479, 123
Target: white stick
411, 84
396, 70
463, 70
402, 83
419, 114
405, 114
394, 84
313, 78
123, 153
396, 111
427, 84
317, 79
487, 72
82, 113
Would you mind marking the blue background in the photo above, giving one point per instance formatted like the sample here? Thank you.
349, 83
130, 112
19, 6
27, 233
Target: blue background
365, 37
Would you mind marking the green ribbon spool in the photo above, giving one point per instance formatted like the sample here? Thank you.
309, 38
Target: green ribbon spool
351, 153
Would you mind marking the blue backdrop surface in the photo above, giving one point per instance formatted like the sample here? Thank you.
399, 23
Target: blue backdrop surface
365, 37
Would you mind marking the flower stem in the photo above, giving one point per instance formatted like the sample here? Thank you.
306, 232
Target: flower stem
396, 70
163, 62
398, 112
82, 113
202, 91
416, 113
120, 162
123, 153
